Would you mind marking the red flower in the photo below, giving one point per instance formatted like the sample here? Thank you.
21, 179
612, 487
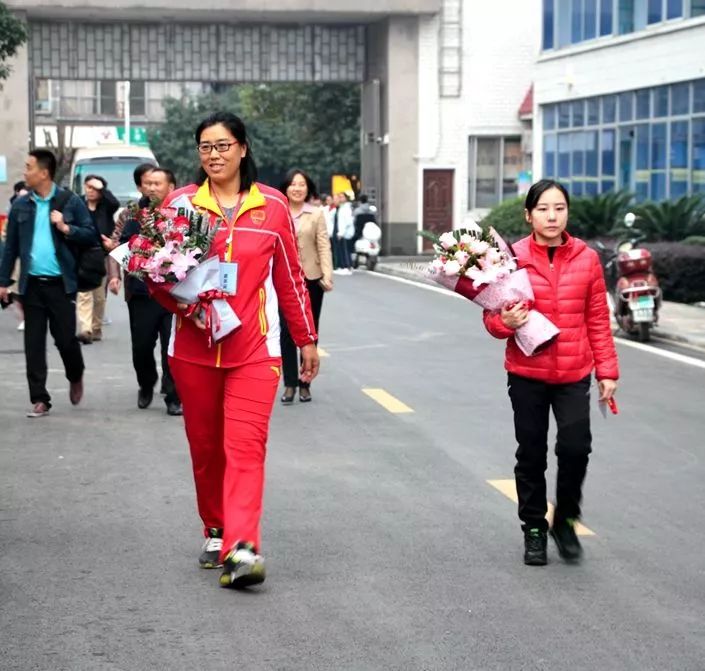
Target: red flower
175, 236
181, 222
134, 242
135, 263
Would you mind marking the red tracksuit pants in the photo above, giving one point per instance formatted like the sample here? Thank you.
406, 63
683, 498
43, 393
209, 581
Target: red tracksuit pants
226, 413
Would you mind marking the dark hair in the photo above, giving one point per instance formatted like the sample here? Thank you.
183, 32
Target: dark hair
312, 192
363, 199
19, 186
87, 178
140, 171
45, 160
168, 173
539, 188
248, 168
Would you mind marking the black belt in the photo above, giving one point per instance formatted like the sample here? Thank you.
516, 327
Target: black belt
48, 279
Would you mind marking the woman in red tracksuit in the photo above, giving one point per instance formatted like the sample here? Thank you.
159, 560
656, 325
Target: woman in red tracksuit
569, 289
228, 388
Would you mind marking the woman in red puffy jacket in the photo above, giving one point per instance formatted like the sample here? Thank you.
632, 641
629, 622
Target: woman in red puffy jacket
569, 289
227, 388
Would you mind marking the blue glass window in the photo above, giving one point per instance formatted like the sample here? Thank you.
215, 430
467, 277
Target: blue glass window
609, 109
679, 144
549, 117
680, 99
661, 101
606, 17
564, 26
548, 15
549, 155
593, 111
679, 159
577, 189
578, 113
655, 11
607, 185
564, 115
697, 7
658, 185
699, 96
658, 146
578, 160
608, 158
643, 104
626, 17
626, 106
641, 191
564, 155
698, 150
590, 188
591, 154
674, 9
590, 20
641, 133
576, 21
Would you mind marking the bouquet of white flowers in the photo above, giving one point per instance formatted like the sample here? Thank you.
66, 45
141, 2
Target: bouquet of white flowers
479, 265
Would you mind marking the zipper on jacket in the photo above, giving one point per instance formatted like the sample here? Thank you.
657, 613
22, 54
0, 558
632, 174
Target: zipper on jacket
218, 354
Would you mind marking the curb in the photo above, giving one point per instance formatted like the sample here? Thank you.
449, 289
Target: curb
658, 334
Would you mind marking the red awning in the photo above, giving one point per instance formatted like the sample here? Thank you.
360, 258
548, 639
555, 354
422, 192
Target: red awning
526, 109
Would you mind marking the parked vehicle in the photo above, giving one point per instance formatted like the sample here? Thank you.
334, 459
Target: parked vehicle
635, 294
367, 247
115, 163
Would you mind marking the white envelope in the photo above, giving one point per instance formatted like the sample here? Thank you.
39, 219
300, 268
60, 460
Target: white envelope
121, 254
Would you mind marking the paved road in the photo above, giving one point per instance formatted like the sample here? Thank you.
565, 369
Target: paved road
386, 546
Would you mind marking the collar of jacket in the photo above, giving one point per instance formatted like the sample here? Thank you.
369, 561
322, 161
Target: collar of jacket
203, 198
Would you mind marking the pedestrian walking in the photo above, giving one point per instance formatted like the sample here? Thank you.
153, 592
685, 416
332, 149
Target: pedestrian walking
19, 189
46, 230
317, 263
228, 389
569, 289
342, 234
149, 321
102, 205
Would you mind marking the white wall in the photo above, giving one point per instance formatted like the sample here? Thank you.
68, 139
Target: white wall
660, 55
501, 41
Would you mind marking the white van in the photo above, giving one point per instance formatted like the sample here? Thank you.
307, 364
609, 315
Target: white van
115, 163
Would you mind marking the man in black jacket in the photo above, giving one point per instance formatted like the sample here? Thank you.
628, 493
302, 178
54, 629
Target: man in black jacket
149, 321
43, 230
102, 205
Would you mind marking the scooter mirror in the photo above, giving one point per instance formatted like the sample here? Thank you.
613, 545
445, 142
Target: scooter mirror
629, 219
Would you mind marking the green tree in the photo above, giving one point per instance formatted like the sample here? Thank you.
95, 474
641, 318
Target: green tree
315, 127
13, 34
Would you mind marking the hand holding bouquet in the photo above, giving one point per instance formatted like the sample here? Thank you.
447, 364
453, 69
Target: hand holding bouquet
479, 265
172, 249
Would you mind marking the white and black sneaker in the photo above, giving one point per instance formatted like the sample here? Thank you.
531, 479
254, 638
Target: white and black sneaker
210, 552
242, 567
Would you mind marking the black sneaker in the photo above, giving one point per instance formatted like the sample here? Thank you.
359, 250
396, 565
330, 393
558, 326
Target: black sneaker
210, 552
144, 398
563, 532
174, 409
242, 567
535, 541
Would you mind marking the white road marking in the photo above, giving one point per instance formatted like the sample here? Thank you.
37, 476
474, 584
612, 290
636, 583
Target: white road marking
673, 356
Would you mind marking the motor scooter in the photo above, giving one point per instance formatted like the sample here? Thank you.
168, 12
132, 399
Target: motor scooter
634, 291
367, 247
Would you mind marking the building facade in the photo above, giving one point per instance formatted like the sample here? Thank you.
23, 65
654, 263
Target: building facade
620, 97
475, 145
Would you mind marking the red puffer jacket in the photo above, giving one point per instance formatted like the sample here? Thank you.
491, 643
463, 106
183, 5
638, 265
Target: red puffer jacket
571, 292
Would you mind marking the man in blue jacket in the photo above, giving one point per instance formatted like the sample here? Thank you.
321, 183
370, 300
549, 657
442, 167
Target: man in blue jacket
44, 230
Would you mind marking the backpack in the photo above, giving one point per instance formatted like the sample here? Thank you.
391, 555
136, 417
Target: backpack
90, 261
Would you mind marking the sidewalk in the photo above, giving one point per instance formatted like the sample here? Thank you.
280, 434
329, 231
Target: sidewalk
678, 322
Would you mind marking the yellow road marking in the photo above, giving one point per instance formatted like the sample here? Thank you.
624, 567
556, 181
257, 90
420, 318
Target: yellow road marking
508, 488
387, 401
322, 353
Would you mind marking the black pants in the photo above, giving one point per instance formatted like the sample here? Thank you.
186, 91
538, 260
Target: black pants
290, 360
46, 302
149, 321
531, 401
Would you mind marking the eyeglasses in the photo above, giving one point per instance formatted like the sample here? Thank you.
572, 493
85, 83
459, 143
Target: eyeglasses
220, 147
